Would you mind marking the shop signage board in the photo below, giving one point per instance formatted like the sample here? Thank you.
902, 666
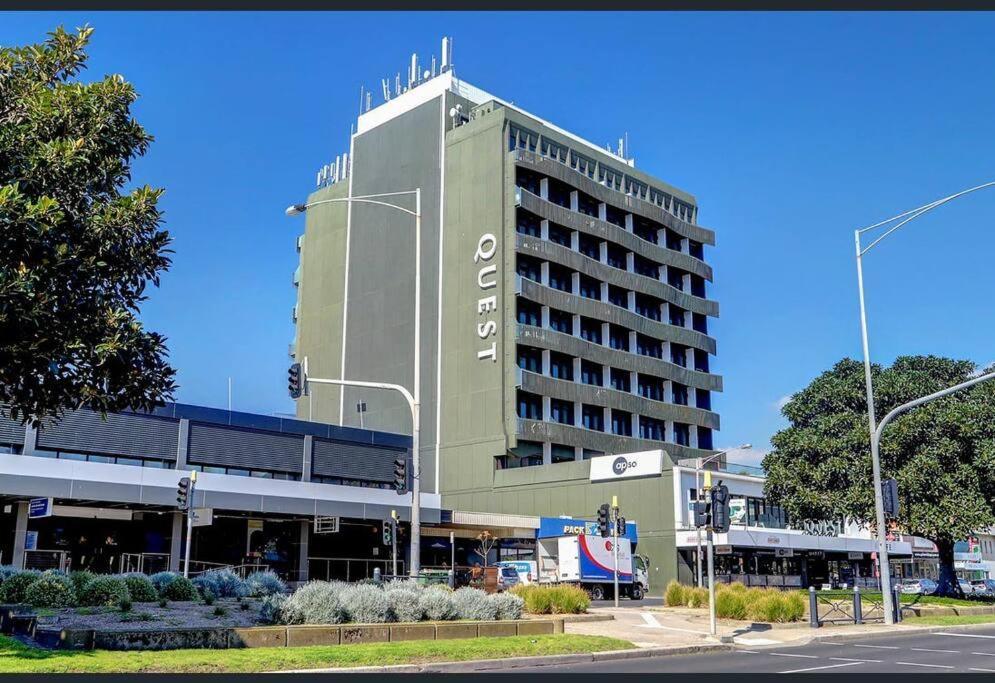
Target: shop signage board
202, 516
854, 555
784, 552
723, 550
39, 507
626, 465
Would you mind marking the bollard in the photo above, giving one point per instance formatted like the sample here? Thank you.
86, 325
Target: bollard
897, 592
858, 617
813, 608
452, 579
376, 574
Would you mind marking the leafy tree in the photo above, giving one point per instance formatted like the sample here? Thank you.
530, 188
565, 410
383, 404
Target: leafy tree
942, 453
75, 253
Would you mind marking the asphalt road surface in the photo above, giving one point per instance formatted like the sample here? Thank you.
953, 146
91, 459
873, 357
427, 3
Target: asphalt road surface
648, 601
945, 652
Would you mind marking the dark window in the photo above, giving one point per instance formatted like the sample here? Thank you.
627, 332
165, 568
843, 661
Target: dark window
526, 454
696, 249
529, 406
647, 346
561, 411
621, 380
561, 453
591, 373
593, 417
645, 230
590, 329
701, 360
529, 267
561, 366
528, 224
618, 296
699, 322
586, 205
644, 266
673, 240
561, 321
559, 234
680, 393
698, 285
527, 179
651, 387
590, 288
678, 354
618, 338
559, 193
621, 423
702, 399
676, 316
675, 278
589, 246
652, 429
616, 216
529, 312
560, 278
530, 358
616, 256
588, 454
648, 306
682, 434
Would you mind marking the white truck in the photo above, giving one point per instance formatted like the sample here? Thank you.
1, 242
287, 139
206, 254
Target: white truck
588, 561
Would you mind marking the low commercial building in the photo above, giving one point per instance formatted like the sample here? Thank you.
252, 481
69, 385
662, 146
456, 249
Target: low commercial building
303, 498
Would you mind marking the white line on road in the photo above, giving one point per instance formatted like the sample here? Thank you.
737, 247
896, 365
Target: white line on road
781, 654
650, 620
986, 670
931, 666
964, 635
848, 659
926, 649
881, 647
984, 654
817, 668
755, 641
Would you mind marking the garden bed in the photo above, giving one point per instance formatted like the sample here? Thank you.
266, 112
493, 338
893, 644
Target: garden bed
149, 616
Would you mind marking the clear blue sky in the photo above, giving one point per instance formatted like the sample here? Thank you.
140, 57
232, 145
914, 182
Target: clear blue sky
791, 129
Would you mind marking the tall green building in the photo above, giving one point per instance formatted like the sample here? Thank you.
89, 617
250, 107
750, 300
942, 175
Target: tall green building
564, 306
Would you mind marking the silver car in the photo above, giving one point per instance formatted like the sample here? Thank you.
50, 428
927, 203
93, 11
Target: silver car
984, 586
919, 586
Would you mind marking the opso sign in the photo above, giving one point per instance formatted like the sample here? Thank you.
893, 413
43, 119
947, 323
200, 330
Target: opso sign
626, 465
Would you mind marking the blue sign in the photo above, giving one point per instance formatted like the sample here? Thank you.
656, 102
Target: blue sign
31, 540
551, 527
39, 507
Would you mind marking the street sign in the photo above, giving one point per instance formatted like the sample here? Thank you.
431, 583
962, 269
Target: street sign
39, 507
31, 540
202, 516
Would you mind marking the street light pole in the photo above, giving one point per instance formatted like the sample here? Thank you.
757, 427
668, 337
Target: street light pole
884, 568
414, 401
699, 463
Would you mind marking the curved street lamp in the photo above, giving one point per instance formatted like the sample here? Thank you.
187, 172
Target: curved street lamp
895, 222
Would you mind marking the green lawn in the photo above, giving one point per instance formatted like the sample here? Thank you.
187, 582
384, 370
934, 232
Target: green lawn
951, 620
15, 657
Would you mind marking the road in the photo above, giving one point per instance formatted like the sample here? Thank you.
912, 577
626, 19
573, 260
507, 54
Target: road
950, 651
648, 601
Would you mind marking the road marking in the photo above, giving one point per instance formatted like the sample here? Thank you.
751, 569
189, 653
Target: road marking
848, 659
931, 666
650, 620
756, 641
984, 654
749, 652
986, 670
964, 635
926, 649
881, 647
781, 654
817, 668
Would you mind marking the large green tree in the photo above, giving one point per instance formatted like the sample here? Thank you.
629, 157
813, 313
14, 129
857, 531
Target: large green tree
76, 252
942, 454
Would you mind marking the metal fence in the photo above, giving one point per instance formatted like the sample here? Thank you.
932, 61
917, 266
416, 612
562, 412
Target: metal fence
349, 568
45, 559
852, 607
144, 563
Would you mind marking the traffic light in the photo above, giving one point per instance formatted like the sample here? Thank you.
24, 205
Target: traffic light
720, 508
183, 493
700, 514
388, 532
620, 526
295, 381
603, 512
889, 495
400, 474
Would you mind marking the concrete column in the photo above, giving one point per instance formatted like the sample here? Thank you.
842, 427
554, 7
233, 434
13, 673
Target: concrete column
575, 240
606, 420
606, 375
576, 369
544, 188
545, 362
176, 542
605, 331
302, 551
547, 408
603, 252
670, 432
631, 300
634, 382
578, 453
30, 440
544, 229
693, 436
306, 462
603, 211
544, 273
632, 341
666, 352
547, 453
628, 222
578, 414
20, 533
604, 291
544, 317
668, 391
630, 262
182, 444
688, 320
574, 200
635, 425
685, 246
686, 282
576, 329
575, 283
661, 236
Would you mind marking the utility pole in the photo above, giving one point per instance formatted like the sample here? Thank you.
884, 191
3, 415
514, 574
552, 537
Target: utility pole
185, 499
711, 560
614, 522
393, 541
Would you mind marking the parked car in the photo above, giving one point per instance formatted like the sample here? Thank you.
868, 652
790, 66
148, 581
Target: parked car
965, 586
507, 578
919, 586
984, 586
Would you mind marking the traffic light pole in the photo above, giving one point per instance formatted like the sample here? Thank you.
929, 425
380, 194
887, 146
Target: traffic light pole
193, 484
393, 542
614, 522
711, 584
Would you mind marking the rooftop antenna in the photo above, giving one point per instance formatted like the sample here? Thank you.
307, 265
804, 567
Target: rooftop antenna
433, 66
362, 92
385, 84
627, 152
413, 72
369, 99
345, 165
397, 84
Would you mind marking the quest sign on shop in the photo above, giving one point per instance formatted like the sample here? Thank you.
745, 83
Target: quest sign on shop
487, 305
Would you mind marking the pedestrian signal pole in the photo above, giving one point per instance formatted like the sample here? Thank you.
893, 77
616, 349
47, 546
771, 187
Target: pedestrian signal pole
614, 524
393, 532
185, 499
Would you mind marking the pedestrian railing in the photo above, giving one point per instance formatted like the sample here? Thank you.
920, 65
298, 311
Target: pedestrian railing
845, 607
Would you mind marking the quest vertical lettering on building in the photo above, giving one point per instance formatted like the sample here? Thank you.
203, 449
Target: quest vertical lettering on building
487, 305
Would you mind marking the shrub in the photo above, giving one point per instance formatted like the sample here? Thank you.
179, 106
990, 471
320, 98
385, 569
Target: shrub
141, 588
220, 611
507, 605
674, 594
696, 596
730, 604
104, 591
13, 589
80, 580
316, 602
161, 580
51, 590
568, 599
271, 609
208, 596
538, 599
223, 583
6, 571
163, 602
261, 584
775, 606
404, 602
124, 604
472, 603
735, 586
365, 604
180, 589
437, 605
